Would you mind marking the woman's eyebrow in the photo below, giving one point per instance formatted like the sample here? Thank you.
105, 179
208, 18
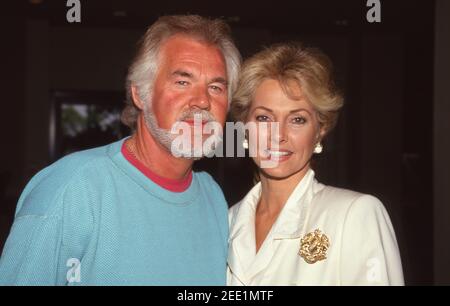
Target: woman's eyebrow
264, 108
299, 110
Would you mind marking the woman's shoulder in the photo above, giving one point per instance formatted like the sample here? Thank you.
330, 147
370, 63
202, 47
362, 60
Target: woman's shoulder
234, 207
343, 200
232, 212
335, 209
250, 200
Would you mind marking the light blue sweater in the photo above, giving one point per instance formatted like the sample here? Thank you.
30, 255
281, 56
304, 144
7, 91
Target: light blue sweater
92, 218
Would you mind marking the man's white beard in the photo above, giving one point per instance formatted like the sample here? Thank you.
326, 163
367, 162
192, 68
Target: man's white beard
165, 137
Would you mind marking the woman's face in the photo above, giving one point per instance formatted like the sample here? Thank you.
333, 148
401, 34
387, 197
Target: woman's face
289, 151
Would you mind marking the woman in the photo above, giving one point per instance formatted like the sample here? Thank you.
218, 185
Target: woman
290, 229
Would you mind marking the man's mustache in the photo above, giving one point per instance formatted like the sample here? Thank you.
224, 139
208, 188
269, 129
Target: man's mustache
203, 115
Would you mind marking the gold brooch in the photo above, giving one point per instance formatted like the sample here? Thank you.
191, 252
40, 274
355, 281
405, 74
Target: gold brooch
314, 246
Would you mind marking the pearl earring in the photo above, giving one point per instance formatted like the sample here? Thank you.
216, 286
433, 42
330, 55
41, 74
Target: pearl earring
245, 143
318, 148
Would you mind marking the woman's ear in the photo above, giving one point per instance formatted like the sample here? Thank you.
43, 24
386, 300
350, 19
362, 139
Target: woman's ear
136, 99
321, 133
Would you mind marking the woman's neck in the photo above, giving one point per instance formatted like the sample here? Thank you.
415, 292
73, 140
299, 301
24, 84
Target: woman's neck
275, 192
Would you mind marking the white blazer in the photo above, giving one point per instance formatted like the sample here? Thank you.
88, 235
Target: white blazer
362, 246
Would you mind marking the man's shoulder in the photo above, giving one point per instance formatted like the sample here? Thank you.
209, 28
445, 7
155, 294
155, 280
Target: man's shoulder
49, 185
206, 180
211, 188
68, 167
82, 158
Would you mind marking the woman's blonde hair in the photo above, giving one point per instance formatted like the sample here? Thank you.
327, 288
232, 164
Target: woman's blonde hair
307, 67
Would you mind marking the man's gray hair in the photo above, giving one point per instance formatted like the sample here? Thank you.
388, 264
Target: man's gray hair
143, 69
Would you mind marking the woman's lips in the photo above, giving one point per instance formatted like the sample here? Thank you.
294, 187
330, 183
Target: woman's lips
280, 156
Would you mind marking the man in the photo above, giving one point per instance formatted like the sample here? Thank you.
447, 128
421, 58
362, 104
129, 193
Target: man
133, 212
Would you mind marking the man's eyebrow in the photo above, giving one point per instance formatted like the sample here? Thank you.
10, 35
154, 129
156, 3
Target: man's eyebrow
185, 74
182, 73
220, 80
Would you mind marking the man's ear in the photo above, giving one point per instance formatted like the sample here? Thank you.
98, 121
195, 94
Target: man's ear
136, 99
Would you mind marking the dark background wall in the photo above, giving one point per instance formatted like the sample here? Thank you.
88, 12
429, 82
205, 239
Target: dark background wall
441, 146
390, 141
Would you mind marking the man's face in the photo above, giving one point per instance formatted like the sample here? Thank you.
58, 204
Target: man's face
191, 79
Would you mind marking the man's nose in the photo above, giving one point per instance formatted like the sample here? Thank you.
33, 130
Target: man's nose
200, 98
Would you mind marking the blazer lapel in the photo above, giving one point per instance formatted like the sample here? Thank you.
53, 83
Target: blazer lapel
242, 258
241, 252
261, 259
291, 221
289, 225
234, 263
